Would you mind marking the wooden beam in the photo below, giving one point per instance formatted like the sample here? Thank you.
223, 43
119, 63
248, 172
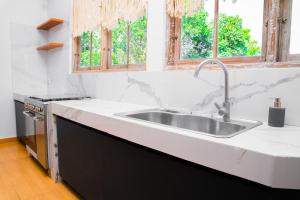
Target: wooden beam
265, 30
109, 49
177, 39
171, 40
91, 48
76, 53
216, 29
128, 44
104, 48
273, 26
284, 29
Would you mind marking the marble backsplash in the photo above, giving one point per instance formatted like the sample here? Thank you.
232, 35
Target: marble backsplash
29, 66
251, 90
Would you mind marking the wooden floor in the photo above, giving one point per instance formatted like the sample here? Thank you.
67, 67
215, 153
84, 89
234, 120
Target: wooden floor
21, 178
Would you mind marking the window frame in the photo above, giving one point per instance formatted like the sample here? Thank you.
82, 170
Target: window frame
174, 43
76, 56
286, 32
275, 41
106, 59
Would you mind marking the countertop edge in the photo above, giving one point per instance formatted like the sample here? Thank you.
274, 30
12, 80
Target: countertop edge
19, 97
262, 168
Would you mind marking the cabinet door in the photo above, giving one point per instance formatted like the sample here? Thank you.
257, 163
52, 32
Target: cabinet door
20, 121
80, 158
100, 166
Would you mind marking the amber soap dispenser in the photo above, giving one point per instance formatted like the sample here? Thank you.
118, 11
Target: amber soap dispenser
276, 114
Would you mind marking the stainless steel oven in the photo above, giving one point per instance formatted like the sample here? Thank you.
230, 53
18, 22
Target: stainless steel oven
35, 135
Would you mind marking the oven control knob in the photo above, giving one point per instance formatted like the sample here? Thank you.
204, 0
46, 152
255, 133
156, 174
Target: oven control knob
30, 107
38, 109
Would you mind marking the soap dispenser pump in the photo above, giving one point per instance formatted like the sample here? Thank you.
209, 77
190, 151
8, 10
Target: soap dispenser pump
276, 114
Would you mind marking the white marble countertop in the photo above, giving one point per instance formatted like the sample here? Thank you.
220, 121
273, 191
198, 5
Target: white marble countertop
266, 155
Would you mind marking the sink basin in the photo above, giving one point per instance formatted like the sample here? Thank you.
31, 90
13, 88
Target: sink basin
196, 124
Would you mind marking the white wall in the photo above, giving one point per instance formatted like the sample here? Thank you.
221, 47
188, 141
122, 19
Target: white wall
60, 81
251, 89
16, 17
295, 32
156, 35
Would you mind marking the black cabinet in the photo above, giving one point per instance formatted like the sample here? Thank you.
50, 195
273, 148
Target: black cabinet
100, 166
20, 121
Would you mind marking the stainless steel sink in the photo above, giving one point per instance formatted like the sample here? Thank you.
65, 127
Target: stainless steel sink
196, 124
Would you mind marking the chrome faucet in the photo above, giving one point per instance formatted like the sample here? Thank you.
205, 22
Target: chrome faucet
223, 110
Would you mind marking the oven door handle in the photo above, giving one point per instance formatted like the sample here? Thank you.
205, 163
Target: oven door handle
38, 119
35, 118
28, 114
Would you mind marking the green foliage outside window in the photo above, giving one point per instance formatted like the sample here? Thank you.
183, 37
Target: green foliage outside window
138, 41
85, 49
137, 44
119, 43
233, 38
196, 40
196, 36
96, 45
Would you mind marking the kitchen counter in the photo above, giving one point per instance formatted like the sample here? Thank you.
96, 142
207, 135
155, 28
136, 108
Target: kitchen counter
266, 155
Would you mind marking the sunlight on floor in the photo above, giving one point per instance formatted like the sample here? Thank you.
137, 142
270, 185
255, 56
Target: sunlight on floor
22, 178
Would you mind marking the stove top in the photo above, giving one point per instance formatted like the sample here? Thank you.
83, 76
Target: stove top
47, 98
39, 104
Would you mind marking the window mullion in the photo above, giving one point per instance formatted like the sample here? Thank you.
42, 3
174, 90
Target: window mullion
216, 29
105, 48
76, 55
109, 49
128, 43
91, 46
284, 29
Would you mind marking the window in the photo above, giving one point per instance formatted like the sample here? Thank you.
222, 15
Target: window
90, 43
122, 48
129, 42
295, 31
222, 29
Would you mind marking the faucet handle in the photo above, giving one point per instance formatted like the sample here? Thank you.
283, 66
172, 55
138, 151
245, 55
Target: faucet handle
217, 106
220, 109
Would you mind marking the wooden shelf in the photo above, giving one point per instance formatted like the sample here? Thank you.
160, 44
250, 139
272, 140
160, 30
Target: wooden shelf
50, 23
49, 46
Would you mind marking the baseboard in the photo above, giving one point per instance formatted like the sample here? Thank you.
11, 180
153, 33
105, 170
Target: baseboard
6, 140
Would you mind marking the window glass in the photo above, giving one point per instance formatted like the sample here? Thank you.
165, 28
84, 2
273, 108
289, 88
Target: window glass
138, 41
119, 43
85, 49
240, 28
96, 45
295, 29
197, 33
90, 55
134, 34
